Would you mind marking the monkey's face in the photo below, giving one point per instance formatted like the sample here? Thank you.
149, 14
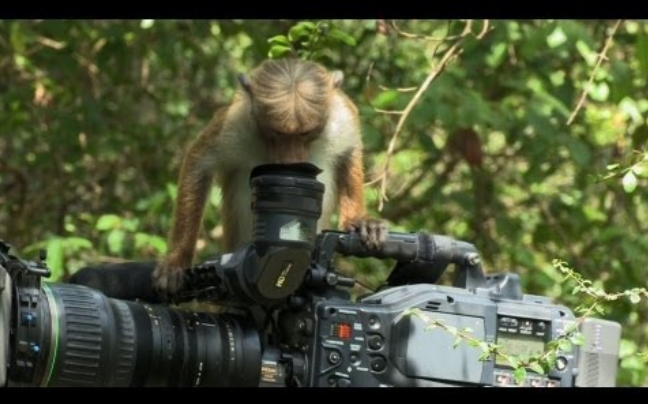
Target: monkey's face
288, 140
290, 122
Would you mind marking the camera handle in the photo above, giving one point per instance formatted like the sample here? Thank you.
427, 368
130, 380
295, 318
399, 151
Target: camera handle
420, 257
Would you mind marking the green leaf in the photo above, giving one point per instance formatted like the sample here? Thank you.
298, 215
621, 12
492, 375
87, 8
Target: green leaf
519, 375
642, 52
278, 51
638, 170
576, 290
472, 342
302, 29
342, 36
483, 346
143, 240
557, 78
631, 108
629, 182
172, 190
600, 91
588, 54
107, 222
77, 243
116, 241
497, 54
386, 99
556, 38
643, 356
146, 24
55, 255
484, 356
536, 367
577, 339
456, 342
565, 345
551, 359
17, 38
513, 361
279, 40
309, 25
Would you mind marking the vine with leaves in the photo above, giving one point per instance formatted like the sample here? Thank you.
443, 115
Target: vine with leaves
540, 363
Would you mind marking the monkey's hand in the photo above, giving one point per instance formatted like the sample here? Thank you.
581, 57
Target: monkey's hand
168, 276
373, 232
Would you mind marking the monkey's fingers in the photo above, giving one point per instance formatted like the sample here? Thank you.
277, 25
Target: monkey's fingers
373, 232
376, 233
167, 280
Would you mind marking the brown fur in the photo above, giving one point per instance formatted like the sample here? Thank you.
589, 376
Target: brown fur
292, 98
287, 111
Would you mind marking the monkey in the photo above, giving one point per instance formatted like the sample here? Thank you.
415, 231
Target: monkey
284, 111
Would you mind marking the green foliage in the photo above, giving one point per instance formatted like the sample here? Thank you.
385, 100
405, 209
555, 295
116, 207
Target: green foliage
94, 116
629, 175
58, 250
308, 40
120, 232
490, 351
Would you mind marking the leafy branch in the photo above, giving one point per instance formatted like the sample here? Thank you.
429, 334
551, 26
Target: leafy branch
628, 174
539, 363
598, 295
307, 40
452, 52
602, 56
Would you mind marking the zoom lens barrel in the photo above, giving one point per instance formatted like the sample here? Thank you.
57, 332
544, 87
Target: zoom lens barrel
74, 336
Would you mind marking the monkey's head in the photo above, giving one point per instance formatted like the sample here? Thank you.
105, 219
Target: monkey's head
291, 102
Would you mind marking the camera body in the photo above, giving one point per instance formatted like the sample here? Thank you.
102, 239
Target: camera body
372, 343
293, 321
388, 338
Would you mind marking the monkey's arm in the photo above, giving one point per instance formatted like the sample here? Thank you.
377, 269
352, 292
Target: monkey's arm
353, 215
194, 184
350, 182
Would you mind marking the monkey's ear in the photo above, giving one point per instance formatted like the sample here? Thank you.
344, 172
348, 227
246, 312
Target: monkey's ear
245, 82
338, 78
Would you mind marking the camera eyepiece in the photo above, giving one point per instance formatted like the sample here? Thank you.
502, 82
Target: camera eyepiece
287, 204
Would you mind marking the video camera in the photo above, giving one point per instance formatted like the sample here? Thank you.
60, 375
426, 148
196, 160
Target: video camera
291, 320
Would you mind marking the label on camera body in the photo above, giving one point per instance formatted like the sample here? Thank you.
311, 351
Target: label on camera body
407, 337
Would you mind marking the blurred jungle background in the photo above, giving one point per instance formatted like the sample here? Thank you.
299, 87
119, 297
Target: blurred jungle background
526, 138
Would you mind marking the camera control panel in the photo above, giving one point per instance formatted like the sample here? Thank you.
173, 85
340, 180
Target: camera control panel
376, 344
524, 337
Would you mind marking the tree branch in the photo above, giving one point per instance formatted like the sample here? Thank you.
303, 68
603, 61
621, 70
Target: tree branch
447, 57
600, 59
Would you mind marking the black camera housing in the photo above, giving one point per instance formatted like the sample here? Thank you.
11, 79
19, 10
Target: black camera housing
293, 322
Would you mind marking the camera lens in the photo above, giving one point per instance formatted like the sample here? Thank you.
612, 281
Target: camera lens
84, 339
